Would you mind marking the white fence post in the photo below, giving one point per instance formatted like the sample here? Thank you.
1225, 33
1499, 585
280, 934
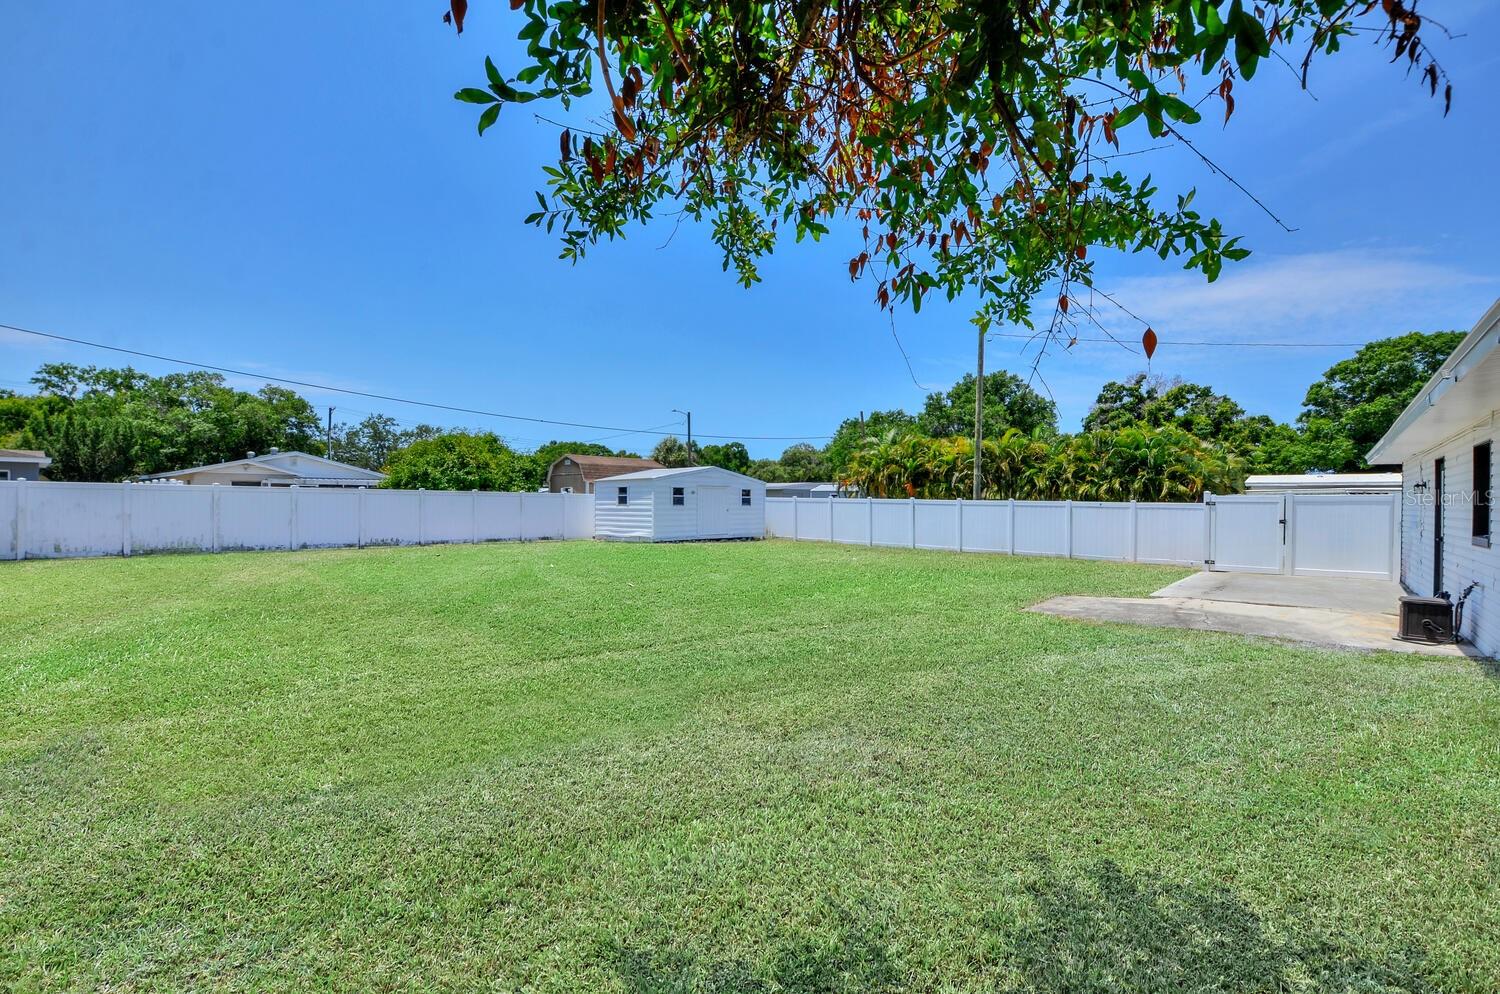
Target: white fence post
830, 518
870, 520
291, 503
421, 524
1208, 529
124, 519
520, 517
796, 519
1068, 527
913, 502
21, 509
1289, 534
474, 516
215, 515
1135, 532
959, 524
1010, 528
359, 518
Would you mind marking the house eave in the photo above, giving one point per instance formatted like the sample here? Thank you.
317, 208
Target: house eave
1463, 392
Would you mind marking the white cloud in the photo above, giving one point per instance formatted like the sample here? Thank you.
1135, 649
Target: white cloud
1355, 294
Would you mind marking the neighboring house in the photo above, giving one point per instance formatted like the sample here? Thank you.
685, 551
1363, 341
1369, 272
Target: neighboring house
577, 474
1445, 443
802, 489
678, 505
274, 469
1324, 483
22, 464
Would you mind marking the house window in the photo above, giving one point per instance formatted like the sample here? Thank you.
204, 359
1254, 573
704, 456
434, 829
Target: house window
622, 495
1482, 485
745, 498
678, 498
4, 474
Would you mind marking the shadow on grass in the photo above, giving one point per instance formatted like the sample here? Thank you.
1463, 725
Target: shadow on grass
1092, 931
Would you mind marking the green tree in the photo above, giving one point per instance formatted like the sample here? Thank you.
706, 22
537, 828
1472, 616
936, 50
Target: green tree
731, 456
1364, 394
1008, 403
1156, 402
373, 441
458, 461
83, 449
802, 462
671, 452
853, 433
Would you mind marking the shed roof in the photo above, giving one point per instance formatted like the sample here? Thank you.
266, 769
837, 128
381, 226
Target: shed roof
597, 467
25, 455
656, 474
1322, 481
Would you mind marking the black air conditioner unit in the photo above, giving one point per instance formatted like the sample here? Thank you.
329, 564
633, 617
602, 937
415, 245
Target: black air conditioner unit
1426, 619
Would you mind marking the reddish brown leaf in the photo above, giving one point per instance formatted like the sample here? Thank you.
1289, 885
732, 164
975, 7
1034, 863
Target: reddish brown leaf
457, 11
623, 123
1062, 303
517, 4
1148, 342
1081, 251
565, 145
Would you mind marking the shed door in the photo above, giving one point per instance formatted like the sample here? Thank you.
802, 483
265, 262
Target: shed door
713, 512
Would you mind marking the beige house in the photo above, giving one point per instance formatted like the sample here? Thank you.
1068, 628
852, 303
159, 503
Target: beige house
22, 464
274, 469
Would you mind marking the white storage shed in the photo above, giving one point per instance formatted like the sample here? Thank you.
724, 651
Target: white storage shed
679, 505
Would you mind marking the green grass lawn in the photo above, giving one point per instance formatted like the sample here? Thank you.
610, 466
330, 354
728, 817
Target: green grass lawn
750, 767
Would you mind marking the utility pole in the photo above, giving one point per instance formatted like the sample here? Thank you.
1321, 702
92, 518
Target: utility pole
328, 445
689, 416
979, 423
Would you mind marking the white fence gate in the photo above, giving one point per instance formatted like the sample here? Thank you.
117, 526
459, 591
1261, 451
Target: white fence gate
1306, 535
67, 520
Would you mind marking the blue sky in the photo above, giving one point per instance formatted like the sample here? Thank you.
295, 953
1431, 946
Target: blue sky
291, 189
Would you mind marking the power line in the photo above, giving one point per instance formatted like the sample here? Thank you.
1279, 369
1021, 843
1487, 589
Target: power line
397, 400
1227, 345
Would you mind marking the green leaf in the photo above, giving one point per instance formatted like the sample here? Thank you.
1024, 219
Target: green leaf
488, 117
494, 74
1129, 114
1178, 110
470, 95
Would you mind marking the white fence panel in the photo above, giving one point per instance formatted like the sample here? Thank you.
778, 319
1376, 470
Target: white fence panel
1170, 534
171, 519
391, 517
1344, 534
986, 525
890, 521
10, 522
1248, 533
811, 522
936, 523
1041, 528
252, 518
1101, 531
851, 520
325, 518
48, 520
779, 513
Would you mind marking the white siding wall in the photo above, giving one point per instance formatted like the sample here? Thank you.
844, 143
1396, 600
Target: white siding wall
631, 521
1463, 561
651, 515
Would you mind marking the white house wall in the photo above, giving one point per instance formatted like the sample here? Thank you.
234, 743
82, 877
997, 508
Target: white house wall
1463, 561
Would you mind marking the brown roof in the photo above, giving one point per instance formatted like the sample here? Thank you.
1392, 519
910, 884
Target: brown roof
598, 467
22, 454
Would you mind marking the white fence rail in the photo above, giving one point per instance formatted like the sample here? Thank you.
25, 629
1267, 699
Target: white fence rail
1128, 532
66, 520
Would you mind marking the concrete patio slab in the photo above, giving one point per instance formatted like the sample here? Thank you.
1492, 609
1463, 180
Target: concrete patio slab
1335, 593
1308, 625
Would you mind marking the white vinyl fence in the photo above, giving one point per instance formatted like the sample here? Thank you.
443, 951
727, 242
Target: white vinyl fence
1129, 532
65, 520
1305, 535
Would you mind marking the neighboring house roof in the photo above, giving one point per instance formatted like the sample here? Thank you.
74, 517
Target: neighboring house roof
25, 455
1464, 390
598, 467
1322, 482
660, 473
276, 466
